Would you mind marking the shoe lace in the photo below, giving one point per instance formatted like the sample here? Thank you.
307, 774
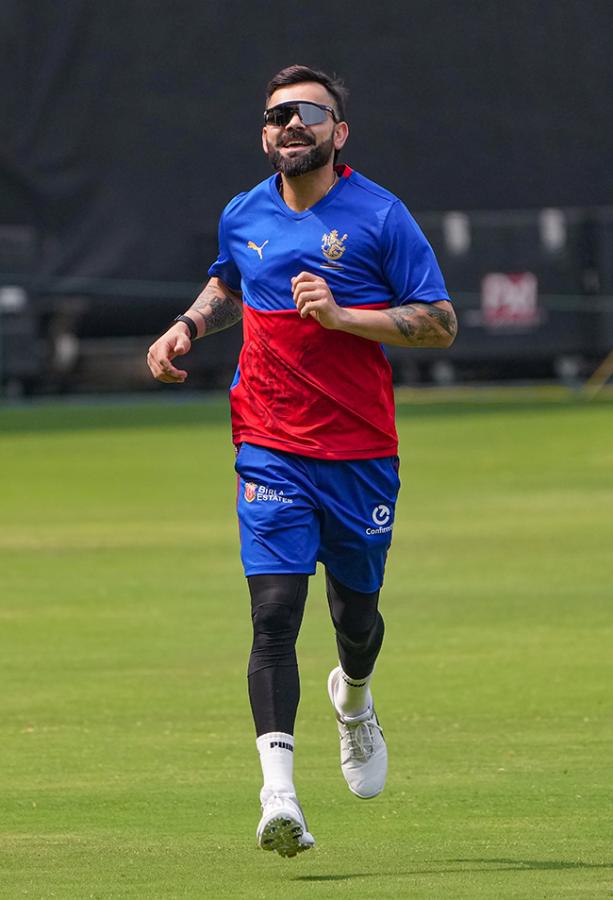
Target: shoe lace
359, 739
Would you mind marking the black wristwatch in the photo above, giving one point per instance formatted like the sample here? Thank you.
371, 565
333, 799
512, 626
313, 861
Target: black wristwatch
193, 331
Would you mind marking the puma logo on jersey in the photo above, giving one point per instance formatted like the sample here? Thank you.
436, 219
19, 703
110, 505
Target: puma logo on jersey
252, 246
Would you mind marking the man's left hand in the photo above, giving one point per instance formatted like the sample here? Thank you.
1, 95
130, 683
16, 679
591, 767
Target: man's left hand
313, 297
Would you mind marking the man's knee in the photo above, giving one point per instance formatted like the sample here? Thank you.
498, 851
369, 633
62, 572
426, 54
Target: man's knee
355, 615
274, 621
361, 640
277, 606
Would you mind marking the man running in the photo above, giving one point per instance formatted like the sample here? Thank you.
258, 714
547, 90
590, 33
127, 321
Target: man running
323, 266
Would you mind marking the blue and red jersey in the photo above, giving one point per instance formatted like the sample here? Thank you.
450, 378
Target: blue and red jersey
300, 387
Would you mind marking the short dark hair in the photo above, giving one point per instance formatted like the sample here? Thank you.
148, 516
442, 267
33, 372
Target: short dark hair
299, 74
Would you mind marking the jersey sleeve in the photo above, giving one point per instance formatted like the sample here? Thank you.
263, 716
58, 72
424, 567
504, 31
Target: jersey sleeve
409, 263
224, 266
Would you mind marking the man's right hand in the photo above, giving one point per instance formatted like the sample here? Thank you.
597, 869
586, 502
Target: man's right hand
174, 342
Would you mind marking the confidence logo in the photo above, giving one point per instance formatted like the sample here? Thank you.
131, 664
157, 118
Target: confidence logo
253, 246
250, 489
381, 516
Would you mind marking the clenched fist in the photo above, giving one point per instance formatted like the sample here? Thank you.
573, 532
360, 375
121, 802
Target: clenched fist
313, 297
174, 342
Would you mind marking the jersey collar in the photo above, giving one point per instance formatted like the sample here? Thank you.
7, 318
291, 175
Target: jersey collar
343, 173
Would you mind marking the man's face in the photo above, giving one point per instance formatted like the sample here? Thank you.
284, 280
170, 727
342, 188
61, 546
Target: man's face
296, 148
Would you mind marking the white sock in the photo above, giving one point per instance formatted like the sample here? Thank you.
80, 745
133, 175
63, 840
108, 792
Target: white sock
352, 695
276, 751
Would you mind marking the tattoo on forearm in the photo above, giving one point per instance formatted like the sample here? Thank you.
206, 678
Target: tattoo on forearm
401, 317
446, 319
421, 325
217, 310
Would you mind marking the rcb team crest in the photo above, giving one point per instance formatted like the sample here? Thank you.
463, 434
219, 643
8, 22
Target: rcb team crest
332, 246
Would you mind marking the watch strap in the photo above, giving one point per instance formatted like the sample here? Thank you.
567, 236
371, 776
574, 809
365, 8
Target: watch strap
193, 330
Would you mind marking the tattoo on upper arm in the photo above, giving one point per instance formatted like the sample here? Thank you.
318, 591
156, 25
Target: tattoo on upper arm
218, 311
421, 324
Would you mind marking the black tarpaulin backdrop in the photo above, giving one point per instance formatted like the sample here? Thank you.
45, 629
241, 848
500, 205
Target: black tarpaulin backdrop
127, 127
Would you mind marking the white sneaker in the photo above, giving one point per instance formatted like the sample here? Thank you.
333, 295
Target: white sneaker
283, 827
363, 749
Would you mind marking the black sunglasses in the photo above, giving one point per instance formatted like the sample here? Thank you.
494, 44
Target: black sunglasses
310, 113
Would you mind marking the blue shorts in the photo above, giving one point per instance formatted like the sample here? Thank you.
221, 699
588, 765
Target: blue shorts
294, 511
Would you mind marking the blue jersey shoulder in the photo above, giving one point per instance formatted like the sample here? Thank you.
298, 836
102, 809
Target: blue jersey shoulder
242, 201
391, 210
371, 187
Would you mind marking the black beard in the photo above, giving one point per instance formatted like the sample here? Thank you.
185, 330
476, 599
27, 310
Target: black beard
315, 158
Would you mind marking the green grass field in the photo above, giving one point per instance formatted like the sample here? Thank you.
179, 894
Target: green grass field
127, 758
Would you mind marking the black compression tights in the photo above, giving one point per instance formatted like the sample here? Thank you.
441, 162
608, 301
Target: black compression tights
359, 627
277, 606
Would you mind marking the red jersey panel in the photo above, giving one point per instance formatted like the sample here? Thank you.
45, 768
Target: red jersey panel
308, 390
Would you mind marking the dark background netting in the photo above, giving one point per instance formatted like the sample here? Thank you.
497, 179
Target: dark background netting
127, 127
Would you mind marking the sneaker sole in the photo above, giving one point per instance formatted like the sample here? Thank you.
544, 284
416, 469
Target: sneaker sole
364, 796
285, 835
